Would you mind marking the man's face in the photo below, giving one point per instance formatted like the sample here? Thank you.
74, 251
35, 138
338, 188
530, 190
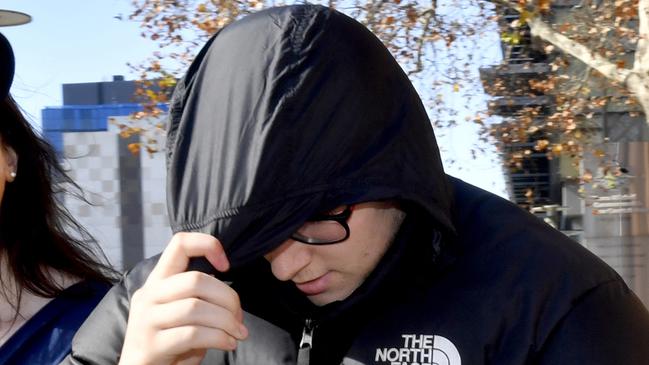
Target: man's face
328, 273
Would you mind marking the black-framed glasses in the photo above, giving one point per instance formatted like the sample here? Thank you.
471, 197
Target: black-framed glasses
325, 228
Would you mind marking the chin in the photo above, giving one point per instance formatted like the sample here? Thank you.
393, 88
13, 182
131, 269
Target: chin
325, 298
320, 300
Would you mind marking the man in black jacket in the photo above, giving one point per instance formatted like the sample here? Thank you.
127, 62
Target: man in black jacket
298, 142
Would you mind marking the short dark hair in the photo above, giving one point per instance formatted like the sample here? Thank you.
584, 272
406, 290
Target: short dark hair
36, 231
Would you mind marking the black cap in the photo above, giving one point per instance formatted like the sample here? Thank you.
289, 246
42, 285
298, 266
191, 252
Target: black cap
7, 65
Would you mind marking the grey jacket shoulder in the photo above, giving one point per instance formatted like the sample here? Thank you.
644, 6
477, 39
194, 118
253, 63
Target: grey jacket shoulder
99, 340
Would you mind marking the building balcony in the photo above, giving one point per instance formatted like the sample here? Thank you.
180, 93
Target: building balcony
513, 105
512, 79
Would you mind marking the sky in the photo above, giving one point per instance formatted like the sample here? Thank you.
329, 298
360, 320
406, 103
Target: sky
70, 41
75, 41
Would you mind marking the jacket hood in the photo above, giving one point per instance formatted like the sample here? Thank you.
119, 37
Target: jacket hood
289, 111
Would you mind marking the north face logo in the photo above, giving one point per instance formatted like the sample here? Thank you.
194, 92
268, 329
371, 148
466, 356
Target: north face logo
420, 350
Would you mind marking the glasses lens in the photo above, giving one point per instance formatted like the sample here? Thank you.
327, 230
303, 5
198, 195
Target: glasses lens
320, 232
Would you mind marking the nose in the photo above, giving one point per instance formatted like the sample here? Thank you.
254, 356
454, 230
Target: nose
287, 260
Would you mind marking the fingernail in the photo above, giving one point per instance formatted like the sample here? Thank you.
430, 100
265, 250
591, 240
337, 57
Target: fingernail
222, 261
243, 331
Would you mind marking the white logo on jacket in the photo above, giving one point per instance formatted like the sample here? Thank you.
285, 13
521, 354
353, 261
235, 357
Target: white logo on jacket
420, 350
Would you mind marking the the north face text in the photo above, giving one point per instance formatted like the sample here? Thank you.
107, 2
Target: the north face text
420, 350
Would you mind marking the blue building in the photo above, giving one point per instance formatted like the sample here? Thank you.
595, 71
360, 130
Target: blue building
127, 192
87, 107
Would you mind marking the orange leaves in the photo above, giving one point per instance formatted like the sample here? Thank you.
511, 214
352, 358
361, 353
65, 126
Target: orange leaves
389, 20
599, 102
257, 5
142, 130
543, 6
570, 125
167, 82
599, 153
513, 38
128, 132
134, 148
450, 38
153, 97
625, 9
209, 26
529, 193
541, 145
125, 133
151, 94
565, 27
411, 14
543, 86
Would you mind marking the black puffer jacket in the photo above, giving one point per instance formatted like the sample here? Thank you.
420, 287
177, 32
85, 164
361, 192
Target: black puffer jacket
297, 109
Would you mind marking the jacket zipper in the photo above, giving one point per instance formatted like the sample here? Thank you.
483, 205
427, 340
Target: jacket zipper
304, 352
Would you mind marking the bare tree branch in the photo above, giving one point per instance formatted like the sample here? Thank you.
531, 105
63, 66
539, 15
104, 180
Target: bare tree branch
429, 14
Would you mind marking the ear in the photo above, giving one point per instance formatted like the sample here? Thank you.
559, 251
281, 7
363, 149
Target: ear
12, 162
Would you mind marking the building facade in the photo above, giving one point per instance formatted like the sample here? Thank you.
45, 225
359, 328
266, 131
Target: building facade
127, 211
604, 202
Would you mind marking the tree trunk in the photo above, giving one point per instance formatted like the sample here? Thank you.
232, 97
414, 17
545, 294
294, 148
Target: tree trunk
638, 84
636, 80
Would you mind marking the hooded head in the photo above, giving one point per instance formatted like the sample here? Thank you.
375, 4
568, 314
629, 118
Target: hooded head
291, 111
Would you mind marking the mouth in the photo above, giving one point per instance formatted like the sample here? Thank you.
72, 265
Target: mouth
314, 287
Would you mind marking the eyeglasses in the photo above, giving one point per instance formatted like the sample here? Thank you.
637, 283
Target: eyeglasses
325, 228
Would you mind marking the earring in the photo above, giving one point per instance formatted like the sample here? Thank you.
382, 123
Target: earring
13, 174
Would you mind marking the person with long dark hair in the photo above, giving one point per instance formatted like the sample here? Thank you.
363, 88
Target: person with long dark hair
51, 274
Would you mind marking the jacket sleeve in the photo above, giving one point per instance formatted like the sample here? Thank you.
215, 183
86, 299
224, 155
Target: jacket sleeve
100, 338
606, 325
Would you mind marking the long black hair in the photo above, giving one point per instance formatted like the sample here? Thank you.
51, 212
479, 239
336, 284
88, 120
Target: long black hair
36, 230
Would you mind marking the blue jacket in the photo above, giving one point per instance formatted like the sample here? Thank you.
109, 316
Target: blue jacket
46, 337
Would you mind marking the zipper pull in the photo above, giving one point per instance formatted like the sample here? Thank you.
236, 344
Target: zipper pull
304, 353
307, 334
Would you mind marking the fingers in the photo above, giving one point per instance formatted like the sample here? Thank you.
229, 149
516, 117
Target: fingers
192, 284
177, 314
184, 246
180, 340
196, 312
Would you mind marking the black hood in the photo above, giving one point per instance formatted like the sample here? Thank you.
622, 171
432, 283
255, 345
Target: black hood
289, 111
